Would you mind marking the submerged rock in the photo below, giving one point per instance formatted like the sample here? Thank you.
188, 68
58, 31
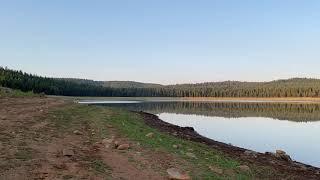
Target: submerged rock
177, 174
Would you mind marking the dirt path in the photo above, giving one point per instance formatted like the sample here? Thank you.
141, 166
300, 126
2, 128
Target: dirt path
31, 147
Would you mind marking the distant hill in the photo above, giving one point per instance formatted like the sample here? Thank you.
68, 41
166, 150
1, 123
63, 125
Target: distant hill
129, 84
114, 84
295, 87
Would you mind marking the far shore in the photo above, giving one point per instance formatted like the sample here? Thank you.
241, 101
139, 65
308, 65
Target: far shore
205, 99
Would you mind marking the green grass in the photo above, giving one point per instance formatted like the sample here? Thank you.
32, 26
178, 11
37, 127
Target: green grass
6, 92
132, 126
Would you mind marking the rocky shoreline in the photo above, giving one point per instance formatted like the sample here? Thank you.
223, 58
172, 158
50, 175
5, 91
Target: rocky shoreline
278, 161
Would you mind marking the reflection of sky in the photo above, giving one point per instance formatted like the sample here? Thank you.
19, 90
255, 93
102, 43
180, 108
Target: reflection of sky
300, 140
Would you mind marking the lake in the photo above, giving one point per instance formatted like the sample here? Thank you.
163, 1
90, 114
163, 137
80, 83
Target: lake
259, 126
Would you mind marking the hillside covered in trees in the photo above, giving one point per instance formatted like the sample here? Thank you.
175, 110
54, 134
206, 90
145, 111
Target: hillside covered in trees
297, 87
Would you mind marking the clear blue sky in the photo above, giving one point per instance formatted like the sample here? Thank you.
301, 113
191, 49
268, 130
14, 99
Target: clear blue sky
162, 41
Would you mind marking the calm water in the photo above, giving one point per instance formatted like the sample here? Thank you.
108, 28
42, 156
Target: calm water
258, 126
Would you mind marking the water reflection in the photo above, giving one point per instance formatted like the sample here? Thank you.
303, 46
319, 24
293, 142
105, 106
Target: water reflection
262, 127
281, 111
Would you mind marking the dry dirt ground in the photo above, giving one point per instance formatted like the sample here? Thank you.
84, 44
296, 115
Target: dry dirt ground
36, 134
31, 147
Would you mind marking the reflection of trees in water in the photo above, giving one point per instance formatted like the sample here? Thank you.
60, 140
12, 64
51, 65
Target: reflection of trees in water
282, 111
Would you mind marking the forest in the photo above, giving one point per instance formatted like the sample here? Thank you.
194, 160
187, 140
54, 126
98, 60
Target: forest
296, 87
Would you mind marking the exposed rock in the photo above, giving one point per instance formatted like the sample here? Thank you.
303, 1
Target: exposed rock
177, 174
282, 155
107, 141
116, 144
251, 153
216, 169
189, 154
67, 152
177, 146
244, 168
150, 135
77, 132
123, 147
175, 133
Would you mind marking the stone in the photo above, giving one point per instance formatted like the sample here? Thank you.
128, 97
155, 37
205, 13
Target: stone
280, 154
67, 152
116, 144
175, 133
251, 153
177, 146
107, 141
77, 132
123, 147
150, 135
176, 174
191, 155
244, 168
216, 170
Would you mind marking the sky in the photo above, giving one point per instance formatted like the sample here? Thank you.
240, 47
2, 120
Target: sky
162, 41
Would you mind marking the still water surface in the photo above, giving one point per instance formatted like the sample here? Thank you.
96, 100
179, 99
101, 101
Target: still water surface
258, 126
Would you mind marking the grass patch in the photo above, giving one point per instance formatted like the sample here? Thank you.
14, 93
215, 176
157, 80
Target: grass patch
7, 92
132, 126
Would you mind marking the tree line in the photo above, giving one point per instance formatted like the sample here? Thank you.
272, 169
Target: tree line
297, 87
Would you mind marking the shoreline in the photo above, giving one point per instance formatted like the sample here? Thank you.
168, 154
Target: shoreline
201, 99
241, 154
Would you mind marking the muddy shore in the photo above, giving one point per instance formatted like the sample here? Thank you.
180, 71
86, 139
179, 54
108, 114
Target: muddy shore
299, 170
